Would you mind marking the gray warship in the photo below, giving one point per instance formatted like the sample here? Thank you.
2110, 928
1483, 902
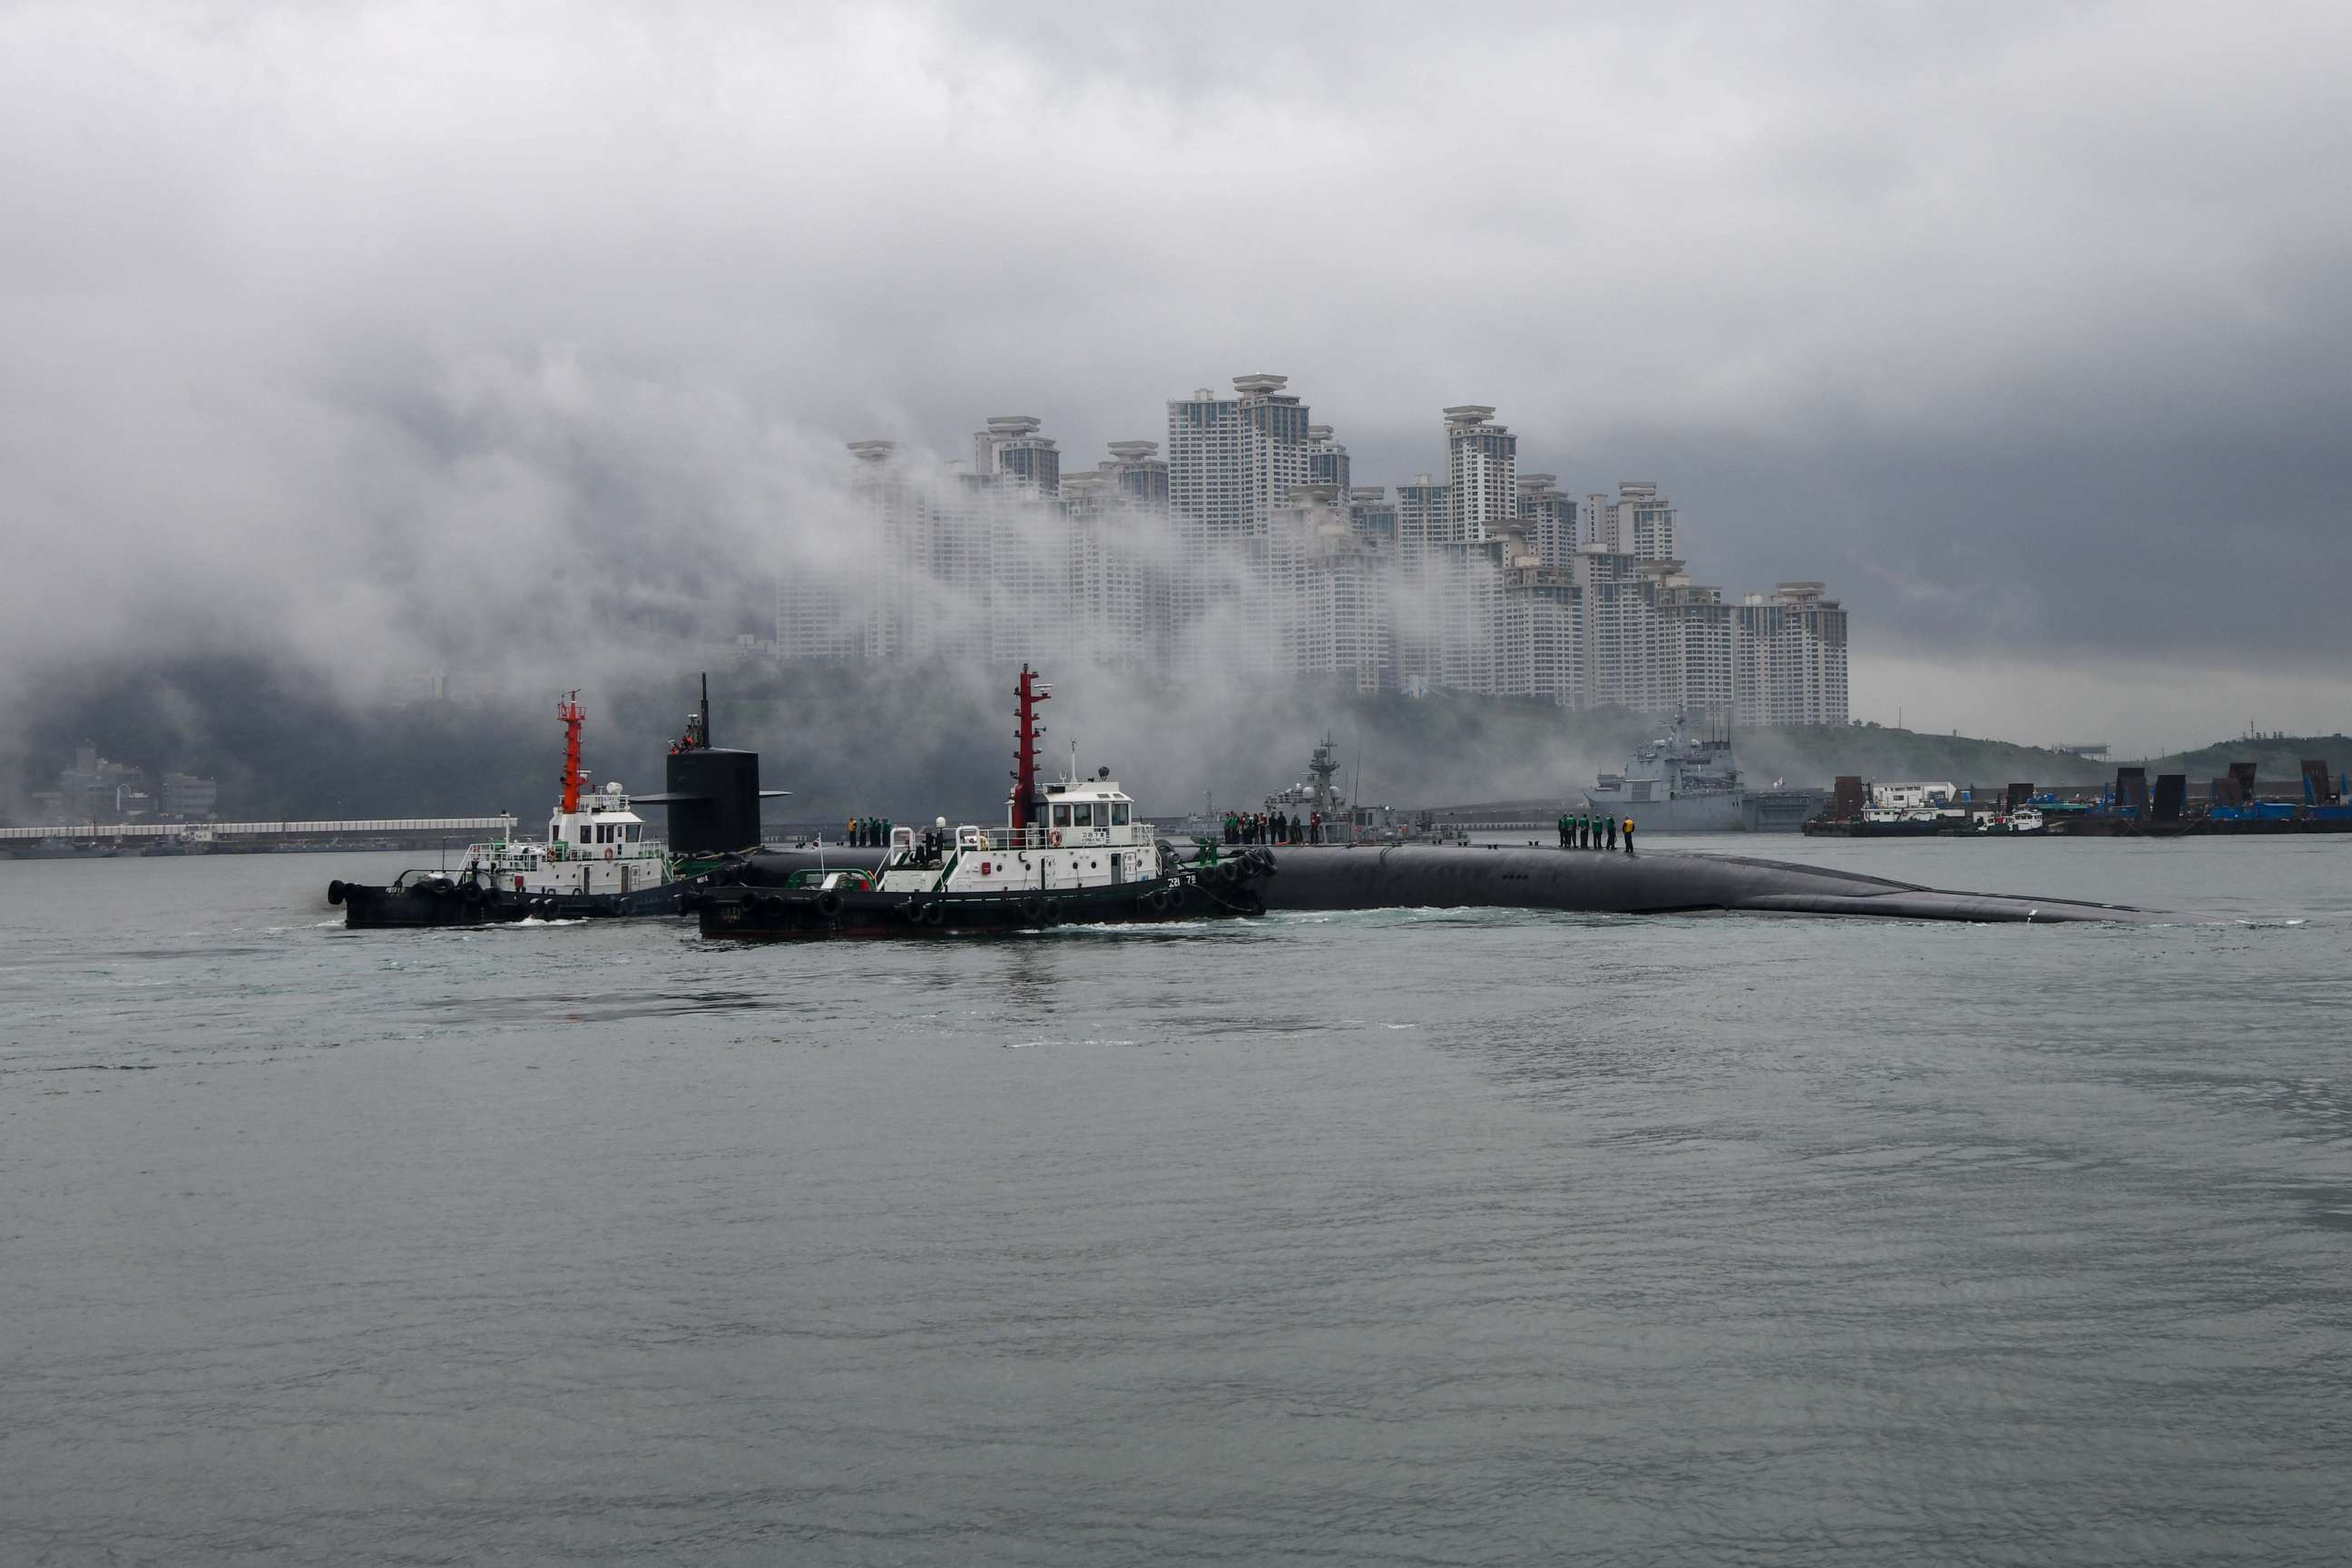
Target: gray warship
1680, 784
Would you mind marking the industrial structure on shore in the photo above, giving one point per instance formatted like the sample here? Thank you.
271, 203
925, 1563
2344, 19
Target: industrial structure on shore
1245, 547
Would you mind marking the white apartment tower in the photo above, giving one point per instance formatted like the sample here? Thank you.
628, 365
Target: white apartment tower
1639, 522
1326, 460
1482, 474
1789, 657
1012, 450
1548, 519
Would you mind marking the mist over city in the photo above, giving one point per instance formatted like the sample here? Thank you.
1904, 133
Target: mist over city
382, 339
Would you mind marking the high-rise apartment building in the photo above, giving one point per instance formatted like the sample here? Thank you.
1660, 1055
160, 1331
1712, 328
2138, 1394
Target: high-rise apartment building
1011, 449
1789, 657
1541, 652
1326, 460
1482, 474
1373, 515
1323, 595
1639, 522
1422, 522
1696, 645
1140, 474
1548, 519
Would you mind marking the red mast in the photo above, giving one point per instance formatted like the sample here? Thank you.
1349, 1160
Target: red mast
1025, 747
571, 713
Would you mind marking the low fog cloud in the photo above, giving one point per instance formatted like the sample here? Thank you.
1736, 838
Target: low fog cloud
384, 335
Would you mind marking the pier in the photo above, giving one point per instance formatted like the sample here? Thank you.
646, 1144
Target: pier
393, 832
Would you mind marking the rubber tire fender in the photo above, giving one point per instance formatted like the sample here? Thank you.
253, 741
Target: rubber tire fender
471, 892
771, 906
935, 912
1032, 910
335, 891
828, 904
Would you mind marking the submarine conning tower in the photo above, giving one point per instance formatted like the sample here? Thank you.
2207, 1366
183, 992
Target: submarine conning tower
713, 792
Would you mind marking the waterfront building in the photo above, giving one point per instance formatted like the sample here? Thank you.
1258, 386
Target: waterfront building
188, 798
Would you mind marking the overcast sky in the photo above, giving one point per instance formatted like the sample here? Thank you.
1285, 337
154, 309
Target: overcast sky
2025, 327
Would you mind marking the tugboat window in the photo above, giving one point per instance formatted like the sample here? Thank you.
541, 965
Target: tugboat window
1061, 817
1119, 815
1083, 816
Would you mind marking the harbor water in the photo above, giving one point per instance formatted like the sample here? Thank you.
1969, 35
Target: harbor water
1395, 1237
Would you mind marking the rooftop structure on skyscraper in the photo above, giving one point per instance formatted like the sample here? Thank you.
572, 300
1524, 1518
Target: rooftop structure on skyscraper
1482, 467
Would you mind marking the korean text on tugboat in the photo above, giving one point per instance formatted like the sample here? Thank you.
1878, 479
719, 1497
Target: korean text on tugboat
1071, 852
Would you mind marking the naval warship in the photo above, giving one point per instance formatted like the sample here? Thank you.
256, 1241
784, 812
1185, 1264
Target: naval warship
1680, 784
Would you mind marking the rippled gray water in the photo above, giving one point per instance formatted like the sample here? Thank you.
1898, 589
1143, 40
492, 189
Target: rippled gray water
1374, 1238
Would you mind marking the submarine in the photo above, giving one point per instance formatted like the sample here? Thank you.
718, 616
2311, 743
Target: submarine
1090, 861
1604, 881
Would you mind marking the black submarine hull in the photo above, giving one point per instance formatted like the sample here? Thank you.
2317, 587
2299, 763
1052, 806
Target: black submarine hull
1362, 876
1602, 881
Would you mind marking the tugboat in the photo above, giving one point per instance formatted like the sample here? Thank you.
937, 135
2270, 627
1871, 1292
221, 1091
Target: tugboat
1073, 851
596, 861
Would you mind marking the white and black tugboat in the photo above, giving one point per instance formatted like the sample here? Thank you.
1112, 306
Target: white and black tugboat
596, 861
1070, 852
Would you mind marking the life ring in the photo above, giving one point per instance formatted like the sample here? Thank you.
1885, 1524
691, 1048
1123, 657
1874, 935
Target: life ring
1055, 838
828, 904
608, 852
